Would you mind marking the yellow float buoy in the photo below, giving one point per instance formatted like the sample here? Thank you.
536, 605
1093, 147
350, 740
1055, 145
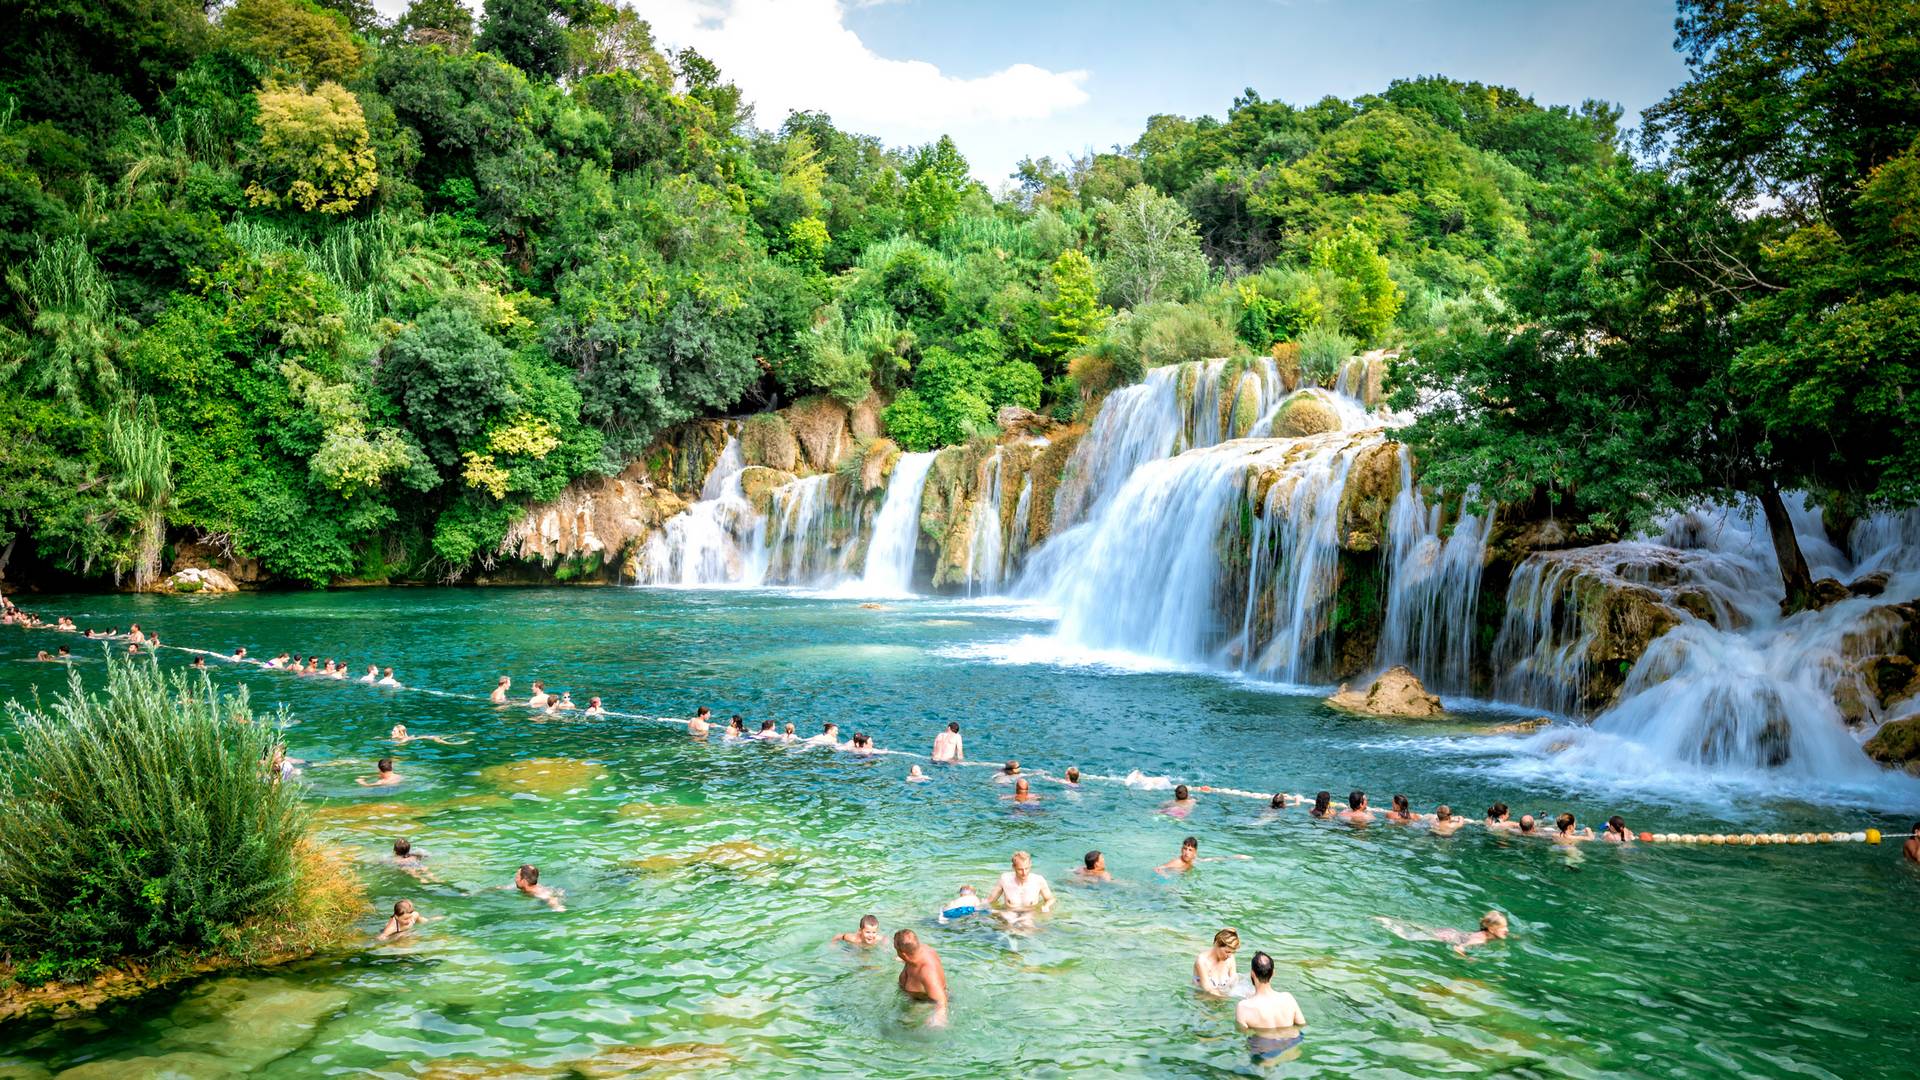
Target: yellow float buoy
1871, 836
1747, 839
1824, 838
1762, 838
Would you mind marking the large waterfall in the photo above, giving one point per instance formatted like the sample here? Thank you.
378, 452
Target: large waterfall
716, 541
896, 530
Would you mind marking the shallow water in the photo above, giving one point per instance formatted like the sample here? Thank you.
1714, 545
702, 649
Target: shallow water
703, 879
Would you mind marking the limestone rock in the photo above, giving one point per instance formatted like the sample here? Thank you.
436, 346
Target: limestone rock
595, 517
195, 580
1048, 472
1015, 420
757, 483
1827, 592
1521, 727
1897, 743
1395, 694
206, 554
1891, 677
681, 458
865, 418
1244, 408
876, 464
821, 427
1367, 499
1304, 413
766, 439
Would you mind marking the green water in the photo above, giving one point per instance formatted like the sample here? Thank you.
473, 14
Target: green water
704, 879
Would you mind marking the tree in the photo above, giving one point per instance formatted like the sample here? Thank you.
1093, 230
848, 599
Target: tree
304, 40
1369, 297
446, 23
145, 481
526, 34
1153, 252
936, 178
1074, 314
313, 153
450, 379
75, 328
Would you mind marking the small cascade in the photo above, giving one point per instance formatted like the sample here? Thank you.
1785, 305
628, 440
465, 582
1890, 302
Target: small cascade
1433, 587
1178, 407
812, 537
1022, 524
716, 541
1304, 536
896, 529
986, 548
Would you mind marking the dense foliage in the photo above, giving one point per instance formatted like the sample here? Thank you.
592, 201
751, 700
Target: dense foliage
140, 820
366, 291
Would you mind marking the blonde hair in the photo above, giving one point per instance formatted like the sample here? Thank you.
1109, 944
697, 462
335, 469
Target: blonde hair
1227, 939
1492, 919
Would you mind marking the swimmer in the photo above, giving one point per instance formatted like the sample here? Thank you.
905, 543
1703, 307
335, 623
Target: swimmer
947, 746
399, 735
922, 977
862, 744
387, 679
1183, 862
134, 635
594, 708
563, 703
1357, 811
1268, 1013
766, 731
412, 863
64, 653
44, 657
1006, 774
240, 653
1444, 823
915, 776
1281, 800
1910, 850
527, 880
1182, 804
372, 676
1020, 892
199, 663
153, 642
1073, 776
699, 725
499, 695
1527, 825
404, 919
537, 699
1213, 970
339, 670
385, 778
736, 727
1094, 870
1493, 927
866, 937
965, 903
1497, 817
787, 735
1322, 805
1566, 833
1022, 792
829, 735
133, 650
279, 661
1402, 813
1617, 832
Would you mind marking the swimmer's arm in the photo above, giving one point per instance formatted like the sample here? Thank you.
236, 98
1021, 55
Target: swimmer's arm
1046, 897
392, 928
364, 782
998, 894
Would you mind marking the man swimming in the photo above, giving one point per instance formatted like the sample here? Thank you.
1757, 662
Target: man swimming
698, 726
947, 746
1182, 804
1073, 776
1007, 774
372, 676
387, 679
1357, 811
399, 735
405, 918
199, 663
1095, 868
537, 699
386, 776
1183, 862
594, 708
564, 703
527, 880
1020, 892
866, 937
499, 695
1527, 825
1213, 970
1493, 927
1444, 823
1023, 792
829, 735
1910, 850
1271, 1018
240, 653
922, 977
766, 731
861, 744
787, 734
412, 862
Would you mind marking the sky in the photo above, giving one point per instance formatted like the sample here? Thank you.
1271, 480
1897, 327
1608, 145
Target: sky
1015, 78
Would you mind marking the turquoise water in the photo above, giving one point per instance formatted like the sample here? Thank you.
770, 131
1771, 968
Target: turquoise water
703, 880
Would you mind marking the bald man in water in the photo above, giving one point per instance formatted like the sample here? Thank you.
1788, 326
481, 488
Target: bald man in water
922, 977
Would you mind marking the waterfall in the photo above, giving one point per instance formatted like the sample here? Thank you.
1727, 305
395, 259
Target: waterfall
716, 541
1308, 569
1433, 587
986, 547
812, 536
896, 530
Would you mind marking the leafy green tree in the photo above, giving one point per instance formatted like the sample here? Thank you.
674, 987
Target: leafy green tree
450, 379
306, 41
1074, 314
936, 178
446, 23
1152, 250
525, 33
74, 328
145, 481
313, 153
1369, 298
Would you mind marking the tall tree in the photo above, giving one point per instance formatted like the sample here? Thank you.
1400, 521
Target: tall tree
1153, 251
527, 34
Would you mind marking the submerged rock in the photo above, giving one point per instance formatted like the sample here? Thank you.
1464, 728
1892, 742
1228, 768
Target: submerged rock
1396, 694
1897, 743
544, 776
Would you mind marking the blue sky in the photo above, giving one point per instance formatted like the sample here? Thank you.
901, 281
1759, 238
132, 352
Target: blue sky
1007, 78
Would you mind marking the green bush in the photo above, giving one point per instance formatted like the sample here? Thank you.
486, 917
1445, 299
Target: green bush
139, 822
1322, 351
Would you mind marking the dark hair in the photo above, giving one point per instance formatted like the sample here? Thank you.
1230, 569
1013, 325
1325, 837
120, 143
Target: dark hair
1563, 822
386, 764
953, 726
398, 904
1400, 803
703, 711
1262, 967
402, 846
1180, 791
1355, 798
1444, 813
905, 941
1617, 823
738, 720
1279, 801
1190, 842
1497, 810
1012, 767
1092, 857
766, 725
531, 873
869, 920
1321, 801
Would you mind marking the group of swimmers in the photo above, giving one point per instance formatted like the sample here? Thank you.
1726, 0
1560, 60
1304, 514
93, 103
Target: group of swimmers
542, 702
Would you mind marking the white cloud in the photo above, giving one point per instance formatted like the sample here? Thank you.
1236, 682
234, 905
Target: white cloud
799, 54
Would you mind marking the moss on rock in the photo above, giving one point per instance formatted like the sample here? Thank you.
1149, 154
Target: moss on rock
1304, 414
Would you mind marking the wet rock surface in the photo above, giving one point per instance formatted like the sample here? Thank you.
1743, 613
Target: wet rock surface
1395, 694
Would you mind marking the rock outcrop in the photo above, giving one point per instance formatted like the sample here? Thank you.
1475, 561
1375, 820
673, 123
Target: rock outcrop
1304, 413
598, 519
1396, 694
195, 580
1897, 744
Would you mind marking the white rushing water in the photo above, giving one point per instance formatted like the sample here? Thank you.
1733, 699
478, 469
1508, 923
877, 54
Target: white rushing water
896, 529
986, 549
716, 541
1433, 587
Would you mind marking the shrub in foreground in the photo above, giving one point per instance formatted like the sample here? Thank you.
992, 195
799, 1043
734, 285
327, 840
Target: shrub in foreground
137, 823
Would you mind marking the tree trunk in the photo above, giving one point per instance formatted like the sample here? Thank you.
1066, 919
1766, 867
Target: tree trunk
1786, 547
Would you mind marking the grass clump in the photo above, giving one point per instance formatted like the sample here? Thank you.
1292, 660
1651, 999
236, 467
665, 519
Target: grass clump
139, 825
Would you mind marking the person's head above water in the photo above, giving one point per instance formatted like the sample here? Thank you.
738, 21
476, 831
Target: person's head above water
1022, 862
1013, 767
1262, 969
1093, 860
1617, 824
1497, 812
1322, 801
1400, 804
1495, 924
830, 728
528, 874
703, 712
1191, 843
765, 725
385, 765
1021, 787
905, 942
504, 680
1443, 813
1180, 793
403, 907
1228, 939
1564, 822
1526, 822
1073, 774
1356, 799
403, 847
953, 726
